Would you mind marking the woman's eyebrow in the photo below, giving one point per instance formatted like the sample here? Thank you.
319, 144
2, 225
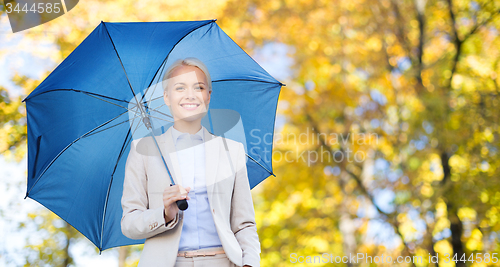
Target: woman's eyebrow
182, 83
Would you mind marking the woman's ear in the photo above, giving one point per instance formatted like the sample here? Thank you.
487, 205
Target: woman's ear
166, 98
209, 95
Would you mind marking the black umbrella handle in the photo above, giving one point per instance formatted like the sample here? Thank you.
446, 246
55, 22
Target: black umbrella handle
182, 204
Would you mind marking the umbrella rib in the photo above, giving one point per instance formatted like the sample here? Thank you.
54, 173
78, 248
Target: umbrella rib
156, 98
156, 109
104, 211
123, 67
62, 151
125, 144
164, 114
152, 93
260, 165
106, 101
123, 147
111, 126
173, 47
248, 80
159, 118
77, 91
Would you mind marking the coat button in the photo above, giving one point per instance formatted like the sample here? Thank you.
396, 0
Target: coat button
213, 210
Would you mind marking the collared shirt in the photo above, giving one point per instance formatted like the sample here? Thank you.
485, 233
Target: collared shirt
198, 229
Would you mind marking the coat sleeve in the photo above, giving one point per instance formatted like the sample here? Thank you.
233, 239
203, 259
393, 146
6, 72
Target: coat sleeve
138, 221
243, 215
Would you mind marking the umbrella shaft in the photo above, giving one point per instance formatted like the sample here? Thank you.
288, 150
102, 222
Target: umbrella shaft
147, 123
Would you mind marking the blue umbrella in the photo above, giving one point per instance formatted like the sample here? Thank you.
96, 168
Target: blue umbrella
84, 115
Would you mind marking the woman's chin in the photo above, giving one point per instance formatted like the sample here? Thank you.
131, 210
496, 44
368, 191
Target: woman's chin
193, 117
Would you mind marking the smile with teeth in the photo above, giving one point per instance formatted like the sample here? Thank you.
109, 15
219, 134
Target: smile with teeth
190, 106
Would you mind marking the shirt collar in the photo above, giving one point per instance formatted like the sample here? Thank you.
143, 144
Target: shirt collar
198, 135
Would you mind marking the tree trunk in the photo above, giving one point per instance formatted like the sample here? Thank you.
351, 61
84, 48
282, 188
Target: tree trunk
67, 259
456, 226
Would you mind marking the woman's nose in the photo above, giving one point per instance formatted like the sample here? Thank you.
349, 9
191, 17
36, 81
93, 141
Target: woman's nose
190, 93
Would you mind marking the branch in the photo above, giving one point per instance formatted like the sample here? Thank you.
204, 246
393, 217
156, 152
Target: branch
479, 25
400, 33
379, 22
456, 41
420, 7
391, 217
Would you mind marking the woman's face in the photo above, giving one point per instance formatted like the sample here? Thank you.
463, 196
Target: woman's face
187, 93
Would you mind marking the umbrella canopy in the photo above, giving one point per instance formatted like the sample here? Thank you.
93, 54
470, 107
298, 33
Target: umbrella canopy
84, 115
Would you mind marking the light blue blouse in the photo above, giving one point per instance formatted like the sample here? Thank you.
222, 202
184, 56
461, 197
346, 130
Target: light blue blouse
198, 230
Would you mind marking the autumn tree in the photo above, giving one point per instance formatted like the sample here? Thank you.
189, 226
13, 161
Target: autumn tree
409, 87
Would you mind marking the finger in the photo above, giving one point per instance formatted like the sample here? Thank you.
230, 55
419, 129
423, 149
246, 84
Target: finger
175, 198
171, 188
182, 190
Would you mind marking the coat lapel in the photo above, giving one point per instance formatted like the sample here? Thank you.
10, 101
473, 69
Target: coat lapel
211, 161
167, 147
168, 151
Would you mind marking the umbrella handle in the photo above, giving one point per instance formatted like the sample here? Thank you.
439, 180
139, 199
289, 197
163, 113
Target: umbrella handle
182, 204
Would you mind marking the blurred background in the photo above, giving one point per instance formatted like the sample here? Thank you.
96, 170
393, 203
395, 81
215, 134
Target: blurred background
386, 141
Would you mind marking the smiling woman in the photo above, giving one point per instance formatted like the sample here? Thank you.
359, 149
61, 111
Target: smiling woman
218, 228
187, 93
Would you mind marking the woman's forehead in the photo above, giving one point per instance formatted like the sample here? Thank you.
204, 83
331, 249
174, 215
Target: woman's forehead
186, 78
188, 72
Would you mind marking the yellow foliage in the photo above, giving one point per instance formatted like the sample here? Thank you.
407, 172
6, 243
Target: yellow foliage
458, 163
475, 243
444, 247
426, 190
467, 214
479, 65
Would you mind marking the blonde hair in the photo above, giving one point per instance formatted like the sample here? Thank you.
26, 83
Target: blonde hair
190, 61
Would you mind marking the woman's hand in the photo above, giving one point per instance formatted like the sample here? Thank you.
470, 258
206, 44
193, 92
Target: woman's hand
170, 195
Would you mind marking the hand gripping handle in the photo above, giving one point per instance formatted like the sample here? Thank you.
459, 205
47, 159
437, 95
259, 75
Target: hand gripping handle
181, 204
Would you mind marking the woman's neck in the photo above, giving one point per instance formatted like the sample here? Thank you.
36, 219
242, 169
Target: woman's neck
190, 127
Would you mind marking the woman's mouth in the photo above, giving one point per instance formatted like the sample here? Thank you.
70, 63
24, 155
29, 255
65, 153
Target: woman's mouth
190, 106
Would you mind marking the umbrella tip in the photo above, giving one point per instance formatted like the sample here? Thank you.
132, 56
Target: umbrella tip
214, 20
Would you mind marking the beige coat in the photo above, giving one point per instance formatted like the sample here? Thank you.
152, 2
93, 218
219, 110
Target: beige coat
228, 194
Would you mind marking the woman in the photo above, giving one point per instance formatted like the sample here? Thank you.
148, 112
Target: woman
218, 228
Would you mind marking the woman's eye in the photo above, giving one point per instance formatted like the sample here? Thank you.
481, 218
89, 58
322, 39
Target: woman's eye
179, 88
198, 88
